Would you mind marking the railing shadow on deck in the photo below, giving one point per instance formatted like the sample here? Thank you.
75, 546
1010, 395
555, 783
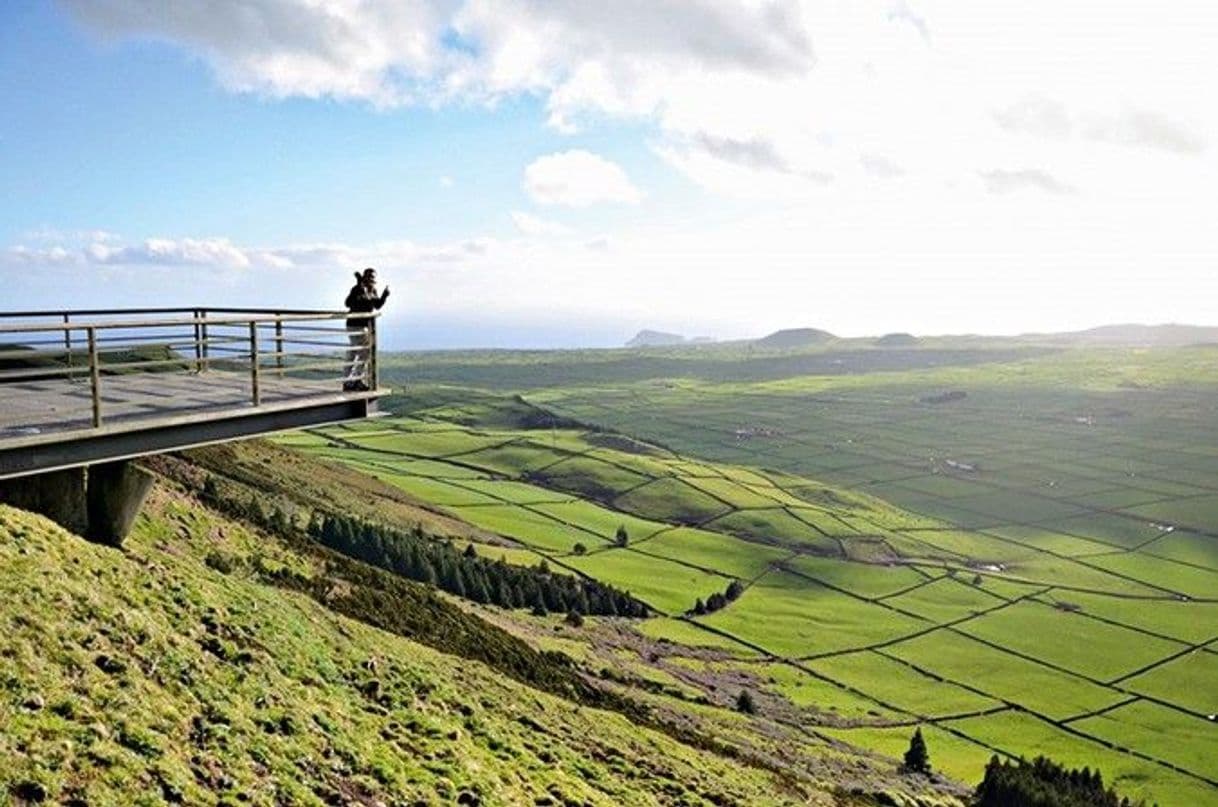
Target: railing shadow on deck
88, 369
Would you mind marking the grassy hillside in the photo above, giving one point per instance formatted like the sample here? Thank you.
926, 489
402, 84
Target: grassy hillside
151, 675
210, 662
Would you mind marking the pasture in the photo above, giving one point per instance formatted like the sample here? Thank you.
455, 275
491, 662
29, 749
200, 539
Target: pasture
1032, 567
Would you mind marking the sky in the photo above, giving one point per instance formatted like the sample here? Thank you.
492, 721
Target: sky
532, 173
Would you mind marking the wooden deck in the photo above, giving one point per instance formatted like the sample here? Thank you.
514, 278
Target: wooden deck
51, 409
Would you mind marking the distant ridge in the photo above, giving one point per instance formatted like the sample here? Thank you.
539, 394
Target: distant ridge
646, 338
897, 340
795, 337
1134, 335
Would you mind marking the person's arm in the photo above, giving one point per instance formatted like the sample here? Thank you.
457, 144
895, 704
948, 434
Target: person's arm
351, 297
384, 297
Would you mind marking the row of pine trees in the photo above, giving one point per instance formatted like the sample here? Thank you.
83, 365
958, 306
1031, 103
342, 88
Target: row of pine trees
467, 574
1043, 783
716, 601
415, 555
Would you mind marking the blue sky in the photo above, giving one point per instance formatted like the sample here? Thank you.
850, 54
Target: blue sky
137, 138
538, 174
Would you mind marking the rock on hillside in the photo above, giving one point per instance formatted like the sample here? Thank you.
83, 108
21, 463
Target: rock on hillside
795, 337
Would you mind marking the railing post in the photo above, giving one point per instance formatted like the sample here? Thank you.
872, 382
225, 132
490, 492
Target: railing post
279, 343
198, 342
94, 376
257, 393
67, 341
370, 368
203, 331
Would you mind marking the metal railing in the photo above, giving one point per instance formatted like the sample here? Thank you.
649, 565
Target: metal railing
230, 356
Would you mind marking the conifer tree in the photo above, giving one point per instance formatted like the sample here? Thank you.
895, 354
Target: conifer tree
621, 537
917, 759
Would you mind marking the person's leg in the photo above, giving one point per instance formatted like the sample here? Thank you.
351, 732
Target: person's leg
351, 370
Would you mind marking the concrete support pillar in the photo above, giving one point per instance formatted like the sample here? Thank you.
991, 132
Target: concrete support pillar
58, 495
114, 495
100, 503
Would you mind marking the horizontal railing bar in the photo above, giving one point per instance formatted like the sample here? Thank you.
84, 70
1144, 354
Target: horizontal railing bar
296, 368
99, 312
136, 324
239, 310
18, 348
272, 327
289, 341
288, 354
308, 329
102, 312
244, 354
41, 372
231, 349
184, 363
43, 353
152, 337
113, 349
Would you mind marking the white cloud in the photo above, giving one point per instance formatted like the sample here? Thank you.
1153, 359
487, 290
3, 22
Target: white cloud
1009, 181
386, 53
971, 262
169, 252
927, 156
1148, 129
1045, 117
531, 225
803, 86
49, 256
578, 178
403, 52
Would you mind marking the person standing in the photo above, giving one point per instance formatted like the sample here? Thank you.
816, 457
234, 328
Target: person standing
362, 299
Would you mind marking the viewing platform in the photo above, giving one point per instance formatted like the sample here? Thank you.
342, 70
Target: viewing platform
79, 387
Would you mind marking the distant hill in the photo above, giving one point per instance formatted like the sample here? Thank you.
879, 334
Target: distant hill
1133, 335
795, 337
897, 340
646, 338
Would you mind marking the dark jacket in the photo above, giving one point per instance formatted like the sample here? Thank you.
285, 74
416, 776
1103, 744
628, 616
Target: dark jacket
362, 300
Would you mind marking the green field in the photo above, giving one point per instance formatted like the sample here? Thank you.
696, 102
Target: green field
1010, 568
